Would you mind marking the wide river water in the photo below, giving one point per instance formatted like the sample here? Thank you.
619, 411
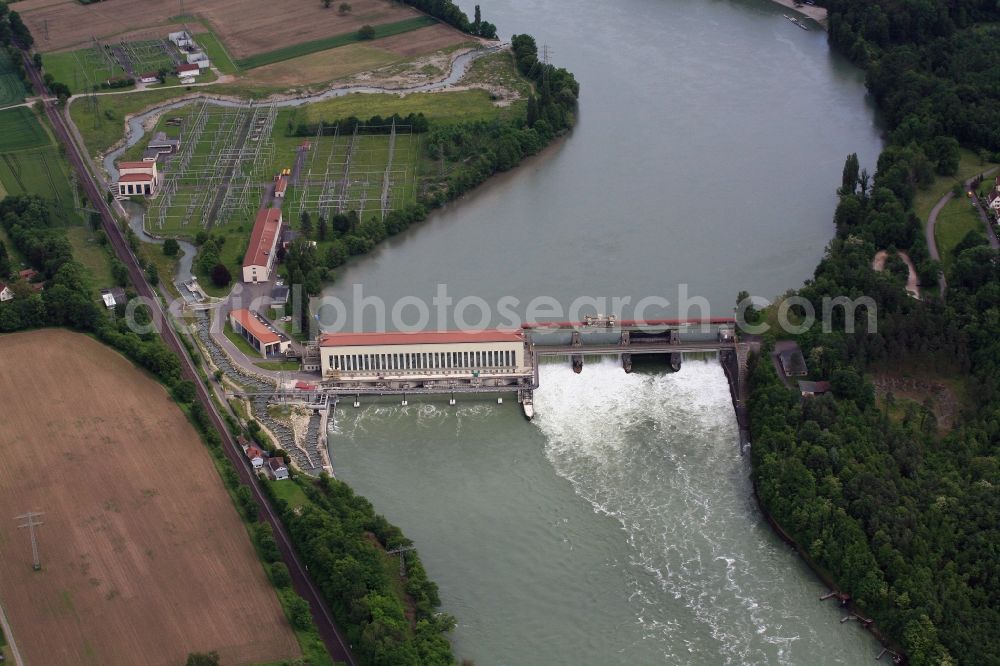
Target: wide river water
619, 526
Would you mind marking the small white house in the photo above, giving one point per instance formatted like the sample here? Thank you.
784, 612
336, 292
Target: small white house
5, 293
181, 38
278, 468
137, 178
993, 200
188, 71
149, 77
198, 58
256, 457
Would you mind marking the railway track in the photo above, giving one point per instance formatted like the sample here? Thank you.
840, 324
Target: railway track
301, 582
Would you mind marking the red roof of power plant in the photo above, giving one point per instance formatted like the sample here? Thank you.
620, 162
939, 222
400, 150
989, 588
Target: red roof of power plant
191, 67
135, 178
421, 338
135, 165
265, 231
254, 325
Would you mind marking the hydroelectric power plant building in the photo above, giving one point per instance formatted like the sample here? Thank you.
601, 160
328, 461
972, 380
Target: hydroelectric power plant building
482, 358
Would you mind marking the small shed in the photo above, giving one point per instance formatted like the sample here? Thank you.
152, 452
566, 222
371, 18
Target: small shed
279, 296
793, 364
810, 389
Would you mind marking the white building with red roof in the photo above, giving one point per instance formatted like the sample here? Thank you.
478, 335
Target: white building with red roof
261, 335
255, 456
259, 259
189, 69
425, 355
993, 200
137, 179
280, 185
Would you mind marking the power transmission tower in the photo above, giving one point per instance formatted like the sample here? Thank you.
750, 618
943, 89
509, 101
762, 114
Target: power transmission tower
546, 53
401, 551
31, 524
45, 29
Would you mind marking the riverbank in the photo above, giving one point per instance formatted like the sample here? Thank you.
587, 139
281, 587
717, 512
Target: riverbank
814, 12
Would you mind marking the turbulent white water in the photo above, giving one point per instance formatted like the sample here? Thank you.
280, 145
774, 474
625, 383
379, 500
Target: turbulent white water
618, 527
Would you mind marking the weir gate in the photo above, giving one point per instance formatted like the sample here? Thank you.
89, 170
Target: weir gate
355, 366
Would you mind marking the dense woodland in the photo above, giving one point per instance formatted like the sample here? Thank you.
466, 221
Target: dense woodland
452, 14
342, 541
904, 518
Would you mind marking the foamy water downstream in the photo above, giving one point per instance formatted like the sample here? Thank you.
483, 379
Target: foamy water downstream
618, 527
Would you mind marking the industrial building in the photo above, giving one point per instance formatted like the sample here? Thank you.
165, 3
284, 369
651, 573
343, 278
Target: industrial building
421, 356
259, 259
137, 179
259, 333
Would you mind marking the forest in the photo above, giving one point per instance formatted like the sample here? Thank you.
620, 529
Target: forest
903, 515
343, 542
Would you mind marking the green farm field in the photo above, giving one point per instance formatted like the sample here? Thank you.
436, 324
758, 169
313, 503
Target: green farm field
40, 171
216, 52
96, 258
956, 219
305, 48
448, 107
20, 129
12, 88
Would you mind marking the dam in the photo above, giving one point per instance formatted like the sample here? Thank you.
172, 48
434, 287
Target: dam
507, 361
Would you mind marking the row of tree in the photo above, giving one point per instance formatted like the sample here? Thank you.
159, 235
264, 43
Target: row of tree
452, 14
13, 31
344, 542
904, 517
416, 122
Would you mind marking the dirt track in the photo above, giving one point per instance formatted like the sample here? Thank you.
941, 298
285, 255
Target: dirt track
144, 556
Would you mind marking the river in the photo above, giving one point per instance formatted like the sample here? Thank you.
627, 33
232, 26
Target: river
619, 526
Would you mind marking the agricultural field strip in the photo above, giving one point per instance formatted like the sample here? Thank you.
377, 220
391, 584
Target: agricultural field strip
315, 46
122, 525
31, 164
244, 27
12, 90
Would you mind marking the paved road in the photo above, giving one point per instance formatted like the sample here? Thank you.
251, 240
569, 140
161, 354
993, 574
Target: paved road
301, 582
932, 221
